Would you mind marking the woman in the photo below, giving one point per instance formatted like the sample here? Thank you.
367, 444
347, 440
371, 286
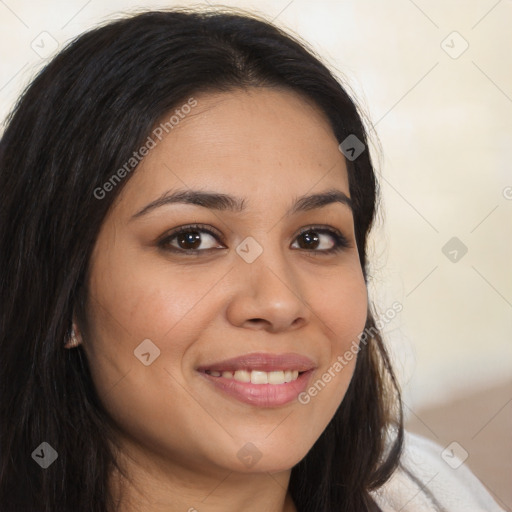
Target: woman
184, 314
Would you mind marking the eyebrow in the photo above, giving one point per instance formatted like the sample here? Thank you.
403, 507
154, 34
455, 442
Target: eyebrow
224, 202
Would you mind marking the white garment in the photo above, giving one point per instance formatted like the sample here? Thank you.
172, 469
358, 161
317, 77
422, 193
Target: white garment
438, 486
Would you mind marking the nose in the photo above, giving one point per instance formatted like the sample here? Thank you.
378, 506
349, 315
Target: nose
268, 294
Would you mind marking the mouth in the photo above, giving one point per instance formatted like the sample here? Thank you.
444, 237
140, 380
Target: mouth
258, 376
264, 380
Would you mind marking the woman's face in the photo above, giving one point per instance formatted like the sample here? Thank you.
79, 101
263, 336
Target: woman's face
256, 289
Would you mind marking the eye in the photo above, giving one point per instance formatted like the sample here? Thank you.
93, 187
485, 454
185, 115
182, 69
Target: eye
190, 239
316, 239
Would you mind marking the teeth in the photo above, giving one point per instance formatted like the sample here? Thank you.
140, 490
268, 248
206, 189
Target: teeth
258, 377
276, 378
243, 376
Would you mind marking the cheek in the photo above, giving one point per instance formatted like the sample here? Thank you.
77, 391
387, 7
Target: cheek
341, 307
134, 299
142, 297
341, 303
130, 303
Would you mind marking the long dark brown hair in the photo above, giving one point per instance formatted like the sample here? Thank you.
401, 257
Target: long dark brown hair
78, 122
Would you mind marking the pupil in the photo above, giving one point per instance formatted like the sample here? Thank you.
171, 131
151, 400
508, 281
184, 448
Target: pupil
308, 238
192, 237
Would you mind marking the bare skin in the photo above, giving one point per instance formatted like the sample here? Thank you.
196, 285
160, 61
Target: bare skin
180, 436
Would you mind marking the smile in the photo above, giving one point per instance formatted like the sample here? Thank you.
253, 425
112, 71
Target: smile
258, 376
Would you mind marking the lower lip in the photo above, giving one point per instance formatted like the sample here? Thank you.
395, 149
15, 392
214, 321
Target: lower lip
261, 395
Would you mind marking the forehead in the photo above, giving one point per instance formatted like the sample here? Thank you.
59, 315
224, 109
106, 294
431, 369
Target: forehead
259, 143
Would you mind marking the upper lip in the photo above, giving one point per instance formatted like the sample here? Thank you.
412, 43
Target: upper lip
262, 361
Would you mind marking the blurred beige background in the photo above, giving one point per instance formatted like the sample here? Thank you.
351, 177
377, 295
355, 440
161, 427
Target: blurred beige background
435, 78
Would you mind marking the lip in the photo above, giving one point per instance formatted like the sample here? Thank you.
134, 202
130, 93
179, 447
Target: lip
261, 395
265, 362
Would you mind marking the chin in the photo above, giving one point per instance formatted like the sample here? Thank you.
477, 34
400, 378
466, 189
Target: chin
271, 465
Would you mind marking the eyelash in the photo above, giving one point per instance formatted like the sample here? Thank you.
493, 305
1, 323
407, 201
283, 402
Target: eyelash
340, 241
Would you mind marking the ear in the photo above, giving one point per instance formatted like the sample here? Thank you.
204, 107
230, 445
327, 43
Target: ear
75, 339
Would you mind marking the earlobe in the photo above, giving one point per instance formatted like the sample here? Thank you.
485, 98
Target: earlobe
75, 339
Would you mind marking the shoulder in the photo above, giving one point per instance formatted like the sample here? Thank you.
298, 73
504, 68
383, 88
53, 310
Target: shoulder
430, 479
